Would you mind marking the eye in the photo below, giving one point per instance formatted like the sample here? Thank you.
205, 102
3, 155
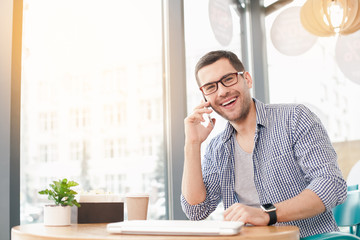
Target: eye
228, 79
209, 87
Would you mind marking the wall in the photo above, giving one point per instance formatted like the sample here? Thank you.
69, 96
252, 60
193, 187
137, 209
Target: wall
348, 154
5, 97
10, 75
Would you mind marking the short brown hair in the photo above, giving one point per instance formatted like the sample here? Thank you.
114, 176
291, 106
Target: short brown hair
214, 56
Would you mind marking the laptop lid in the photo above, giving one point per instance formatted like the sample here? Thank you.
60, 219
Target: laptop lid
175, 227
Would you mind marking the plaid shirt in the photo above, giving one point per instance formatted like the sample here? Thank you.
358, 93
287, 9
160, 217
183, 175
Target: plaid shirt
292, 152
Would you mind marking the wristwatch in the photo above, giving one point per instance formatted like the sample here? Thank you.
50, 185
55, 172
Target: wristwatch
270, 209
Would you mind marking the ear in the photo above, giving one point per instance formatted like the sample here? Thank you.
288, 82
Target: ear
248, 79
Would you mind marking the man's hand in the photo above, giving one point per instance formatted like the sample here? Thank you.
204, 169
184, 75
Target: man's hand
246, 214
195, 132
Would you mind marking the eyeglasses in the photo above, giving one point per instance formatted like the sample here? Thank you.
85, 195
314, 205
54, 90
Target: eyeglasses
227, 81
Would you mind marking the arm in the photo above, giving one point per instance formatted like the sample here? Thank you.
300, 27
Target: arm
200, 184
307, 203
212, 195
193, 188
317, 159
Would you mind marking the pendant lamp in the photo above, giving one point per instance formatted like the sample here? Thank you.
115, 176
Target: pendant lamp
329, 17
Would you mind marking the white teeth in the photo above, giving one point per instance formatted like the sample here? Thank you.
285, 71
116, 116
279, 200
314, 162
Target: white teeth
228, 102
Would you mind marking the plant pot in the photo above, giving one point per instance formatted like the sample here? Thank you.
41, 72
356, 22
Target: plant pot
55, 215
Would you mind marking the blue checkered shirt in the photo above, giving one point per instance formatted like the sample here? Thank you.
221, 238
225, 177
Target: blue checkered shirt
292, 152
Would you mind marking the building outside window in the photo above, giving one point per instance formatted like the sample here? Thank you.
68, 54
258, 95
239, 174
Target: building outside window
92, 95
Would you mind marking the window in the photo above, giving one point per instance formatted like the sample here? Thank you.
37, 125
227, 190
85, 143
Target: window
92, 77
319, 72
47, 121
77, 150
47, 153
209, 25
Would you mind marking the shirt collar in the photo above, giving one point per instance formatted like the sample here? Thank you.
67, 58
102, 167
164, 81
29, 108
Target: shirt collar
260, 113
260, 120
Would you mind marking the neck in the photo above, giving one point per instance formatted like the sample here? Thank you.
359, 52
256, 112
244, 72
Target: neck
247, 125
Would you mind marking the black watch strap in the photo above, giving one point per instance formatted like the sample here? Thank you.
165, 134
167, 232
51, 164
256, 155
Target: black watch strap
273, 218
270, 209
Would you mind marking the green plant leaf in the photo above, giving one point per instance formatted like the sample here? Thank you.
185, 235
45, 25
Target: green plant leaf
72, 184
61, 193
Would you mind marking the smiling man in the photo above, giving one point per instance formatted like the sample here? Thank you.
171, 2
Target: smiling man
272, 164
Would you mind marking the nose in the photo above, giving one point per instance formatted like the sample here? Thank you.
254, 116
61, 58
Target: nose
222, 90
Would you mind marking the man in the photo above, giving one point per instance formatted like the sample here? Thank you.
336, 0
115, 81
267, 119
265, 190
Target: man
278, 157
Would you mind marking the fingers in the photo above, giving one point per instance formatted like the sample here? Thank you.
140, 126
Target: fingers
196, 130
199, 111
246, 214
234, 213
203, 104
195, 117
203, 108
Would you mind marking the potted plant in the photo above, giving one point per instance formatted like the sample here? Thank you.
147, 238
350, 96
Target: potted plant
59, 213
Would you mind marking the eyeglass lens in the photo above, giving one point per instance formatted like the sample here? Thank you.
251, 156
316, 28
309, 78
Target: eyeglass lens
227, 81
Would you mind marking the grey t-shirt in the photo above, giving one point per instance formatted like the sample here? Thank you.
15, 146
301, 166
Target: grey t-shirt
244, 177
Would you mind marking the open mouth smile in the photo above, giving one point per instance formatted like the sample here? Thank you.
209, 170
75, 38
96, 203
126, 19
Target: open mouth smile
229, 103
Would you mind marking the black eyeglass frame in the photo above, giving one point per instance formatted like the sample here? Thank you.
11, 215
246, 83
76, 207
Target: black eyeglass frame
221, 81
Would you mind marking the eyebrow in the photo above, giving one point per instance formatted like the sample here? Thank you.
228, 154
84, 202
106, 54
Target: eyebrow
219, 79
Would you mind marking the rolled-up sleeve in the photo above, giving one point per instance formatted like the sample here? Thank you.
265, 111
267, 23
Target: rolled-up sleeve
195, 212
213, 193
204, 209
318, 158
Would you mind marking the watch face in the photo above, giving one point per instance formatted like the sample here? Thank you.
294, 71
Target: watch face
269, 207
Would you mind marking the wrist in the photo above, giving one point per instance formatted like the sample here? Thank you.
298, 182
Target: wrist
192, 144
270, 209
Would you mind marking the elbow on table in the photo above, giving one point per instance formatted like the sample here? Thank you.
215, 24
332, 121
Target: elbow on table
195, 212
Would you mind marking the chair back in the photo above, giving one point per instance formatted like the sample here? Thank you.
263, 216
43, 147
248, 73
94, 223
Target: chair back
353, 187
348, 213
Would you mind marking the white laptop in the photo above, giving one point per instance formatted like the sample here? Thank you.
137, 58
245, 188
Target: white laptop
175, 227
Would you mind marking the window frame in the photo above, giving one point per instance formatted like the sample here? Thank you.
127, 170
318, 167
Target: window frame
174, 95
